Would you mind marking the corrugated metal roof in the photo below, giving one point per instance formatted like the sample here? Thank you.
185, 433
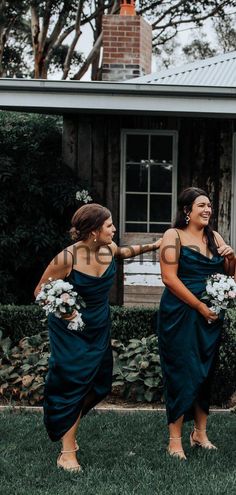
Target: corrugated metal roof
215, 71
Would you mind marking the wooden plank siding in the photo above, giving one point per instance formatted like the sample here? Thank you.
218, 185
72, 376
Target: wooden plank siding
142, 296
92, 147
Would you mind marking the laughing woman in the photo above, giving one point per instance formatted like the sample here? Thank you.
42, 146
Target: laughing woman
80, 366
190, 252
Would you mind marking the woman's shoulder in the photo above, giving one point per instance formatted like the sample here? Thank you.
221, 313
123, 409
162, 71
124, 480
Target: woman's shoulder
219, 239
112, 248
65, 256
171, 234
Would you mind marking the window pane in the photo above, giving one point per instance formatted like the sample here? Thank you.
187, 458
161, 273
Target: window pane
159, 228
136, 227
160, 208
136, 177
161, 148
136, 148
136, 207
161, 178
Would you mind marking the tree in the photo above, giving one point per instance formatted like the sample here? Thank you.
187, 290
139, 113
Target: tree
56, 27
37, 200
199, 49
224, 34
167, 16
11, 14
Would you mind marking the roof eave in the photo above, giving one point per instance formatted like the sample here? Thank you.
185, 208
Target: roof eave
76, 96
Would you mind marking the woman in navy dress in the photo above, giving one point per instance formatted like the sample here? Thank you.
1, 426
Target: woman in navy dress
80, 366
190, 253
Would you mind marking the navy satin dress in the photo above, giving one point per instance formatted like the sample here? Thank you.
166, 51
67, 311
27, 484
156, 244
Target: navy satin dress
80, 366
188, 344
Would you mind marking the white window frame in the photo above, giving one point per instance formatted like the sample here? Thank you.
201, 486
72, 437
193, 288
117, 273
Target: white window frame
126, 132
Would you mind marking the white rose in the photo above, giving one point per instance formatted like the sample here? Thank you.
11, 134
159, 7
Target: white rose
71, 302
50, 298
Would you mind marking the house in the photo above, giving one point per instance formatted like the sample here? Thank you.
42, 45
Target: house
139, 138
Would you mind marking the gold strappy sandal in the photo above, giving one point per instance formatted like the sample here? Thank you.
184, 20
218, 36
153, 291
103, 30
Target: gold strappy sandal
71, 469
204, 445
177, 453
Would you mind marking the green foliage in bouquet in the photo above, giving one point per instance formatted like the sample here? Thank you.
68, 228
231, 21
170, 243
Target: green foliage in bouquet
137, 369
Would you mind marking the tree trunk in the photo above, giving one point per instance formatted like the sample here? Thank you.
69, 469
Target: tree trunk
96, 73
40, 68
1, 55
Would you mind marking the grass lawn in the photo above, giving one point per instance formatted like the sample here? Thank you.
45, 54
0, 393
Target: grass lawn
121, 454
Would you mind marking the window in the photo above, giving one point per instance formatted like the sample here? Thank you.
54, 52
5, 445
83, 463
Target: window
148, 180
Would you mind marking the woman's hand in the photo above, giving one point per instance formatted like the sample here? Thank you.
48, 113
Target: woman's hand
157, 244
226, 251
209, 315
67, 316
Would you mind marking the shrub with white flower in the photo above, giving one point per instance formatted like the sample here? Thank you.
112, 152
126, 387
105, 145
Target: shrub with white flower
59, 298
220, 292
83, 196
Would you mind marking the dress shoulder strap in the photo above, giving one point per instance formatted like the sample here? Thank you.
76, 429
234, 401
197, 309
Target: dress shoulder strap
72, 257
216, 240
178, 236
110, 250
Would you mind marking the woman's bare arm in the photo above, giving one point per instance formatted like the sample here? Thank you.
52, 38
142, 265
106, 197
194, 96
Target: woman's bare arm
134, 250
228, 253
59, 267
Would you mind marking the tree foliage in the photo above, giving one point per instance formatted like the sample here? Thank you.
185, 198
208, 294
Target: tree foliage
50, 31
167, 16
199, 49
11, 37
37, 200
224, 40
225, 33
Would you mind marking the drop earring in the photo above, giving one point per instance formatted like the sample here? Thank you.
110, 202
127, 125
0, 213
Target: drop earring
94, 240
187, 218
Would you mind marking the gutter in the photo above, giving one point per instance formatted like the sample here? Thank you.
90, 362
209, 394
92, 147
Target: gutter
47, 96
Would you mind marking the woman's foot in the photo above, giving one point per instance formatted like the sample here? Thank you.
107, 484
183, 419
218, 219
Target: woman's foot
67, 460
175, 448
199, 438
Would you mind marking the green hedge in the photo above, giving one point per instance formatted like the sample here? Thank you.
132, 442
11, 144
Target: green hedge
132, 323
17, 322
225, 374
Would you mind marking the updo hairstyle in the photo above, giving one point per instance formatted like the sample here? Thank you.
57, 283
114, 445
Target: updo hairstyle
87, 218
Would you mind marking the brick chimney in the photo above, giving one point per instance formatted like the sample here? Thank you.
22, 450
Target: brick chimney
127, 44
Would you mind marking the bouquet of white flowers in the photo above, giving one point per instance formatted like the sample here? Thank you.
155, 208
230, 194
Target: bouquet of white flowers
220, 292
59, 298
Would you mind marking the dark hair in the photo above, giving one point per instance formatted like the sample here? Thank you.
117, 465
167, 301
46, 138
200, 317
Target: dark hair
184, 206
86, 219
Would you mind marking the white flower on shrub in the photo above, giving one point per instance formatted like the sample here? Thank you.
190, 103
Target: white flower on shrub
84, 196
